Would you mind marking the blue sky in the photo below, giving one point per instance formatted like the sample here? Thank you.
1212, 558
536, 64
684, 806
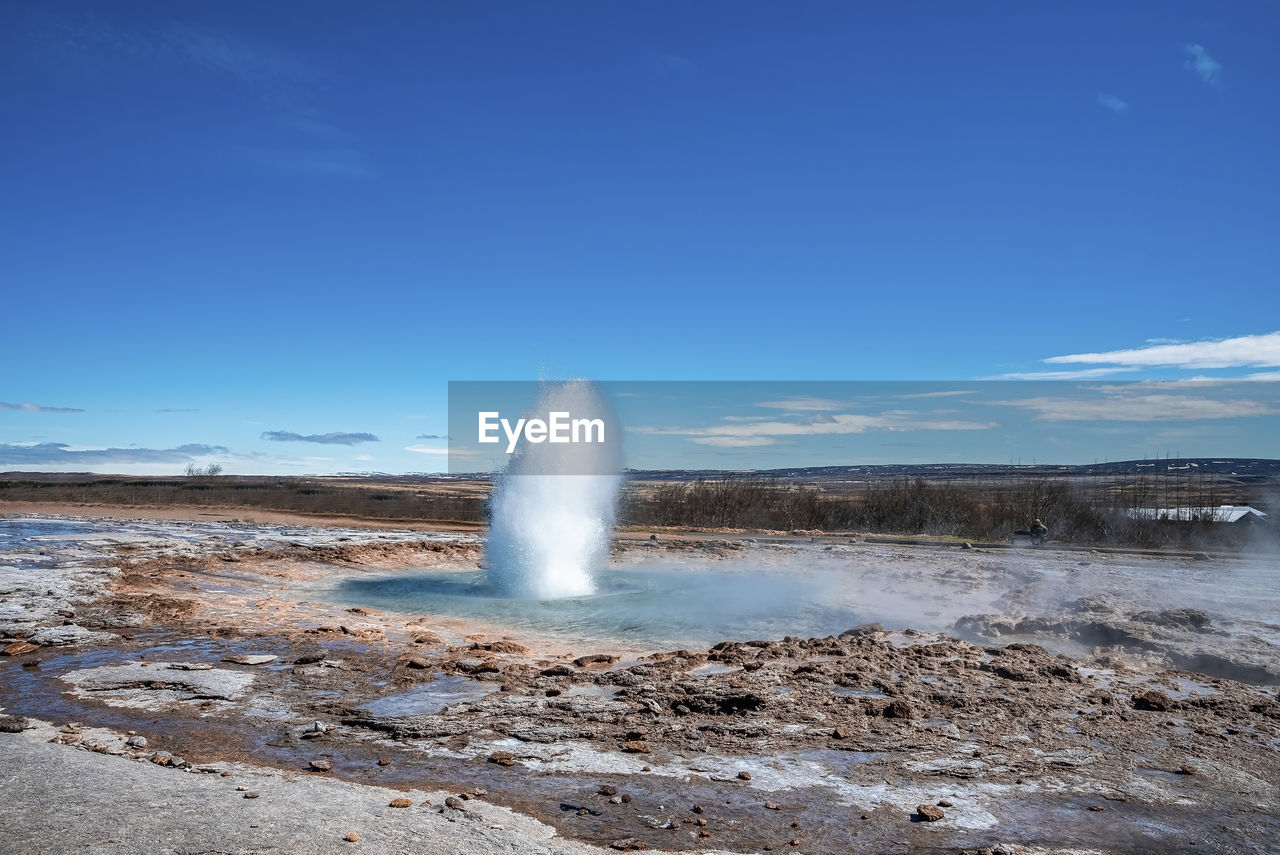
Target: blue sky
261, 234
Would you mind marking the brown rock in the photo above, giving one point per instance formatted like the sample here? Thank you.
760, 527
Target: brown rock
1097, 808
503, 758
841, 732
501, 647
594, 659
401, 803
17, 648
898, 708
321, 765
252, 794
560, 670
417, 662
636, 746
744, 776
454, 802
608, 790
12, 723
1153, 700
930, 813
384, 761
771, 806
626, 844
352, 837
945, 803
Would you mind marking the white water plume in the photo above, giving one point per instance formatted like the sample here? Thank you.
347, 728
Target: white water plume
552, 514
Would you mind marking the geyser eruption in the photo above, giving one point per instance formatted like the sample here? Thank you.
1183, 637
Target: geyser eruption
552, 514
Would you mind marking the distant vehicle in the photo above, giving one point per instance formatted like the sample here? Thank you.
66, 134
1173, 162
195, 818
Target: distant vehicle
1025, 537
1035, 535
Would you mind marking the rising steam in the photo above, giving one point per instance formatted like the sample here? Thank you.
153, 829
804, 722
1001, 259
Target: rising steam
552, 514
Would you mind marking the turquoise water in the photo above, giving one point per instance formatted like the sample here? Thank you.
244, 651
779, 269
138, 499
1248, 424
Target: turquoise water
674, 606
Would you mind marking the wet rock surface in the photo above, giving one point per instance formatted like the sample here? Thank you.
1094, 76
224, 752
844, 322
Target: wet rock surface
832, 744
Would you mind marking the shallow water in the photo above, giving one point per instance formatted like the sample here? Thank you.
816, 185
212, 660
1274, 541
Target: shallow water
658, 605
429, 698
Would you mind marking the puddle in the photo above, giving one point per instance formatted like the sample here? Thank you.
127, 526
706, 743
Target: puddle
1163, 775
429, 698
1188, 688
713, 668
609, 693
857, 693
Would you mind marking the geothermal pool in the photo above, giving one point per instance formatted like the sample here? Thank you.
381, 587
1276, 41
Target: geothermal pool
659, 604
1076, 600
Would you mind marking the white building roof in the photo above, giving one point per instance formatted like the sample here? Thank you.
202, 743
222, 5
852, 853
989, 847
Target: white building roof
1222, 513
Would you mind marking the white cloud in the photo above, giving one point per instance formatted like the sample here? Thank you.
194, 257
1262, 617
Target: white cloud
743, 434
1082, 374
1124, 407
1209, 69
418, 448
802, 404
1112, 103
28, 407
948, 394
1247, 351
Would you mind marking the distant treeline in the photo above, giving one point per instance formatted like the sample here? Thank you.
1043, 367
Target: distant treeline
972, 511
1074, 512
292, 495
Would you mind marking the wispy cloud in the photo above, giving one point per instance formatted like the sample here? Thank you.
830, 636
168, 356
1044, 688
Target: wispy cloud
950, 393
60, 453
283, 85
431, 436
418, 448
1081, 374
177, 410
748, 434
1247, 351
1112, 103
803, 404
28, 407
1199, 61
1123, 406
257, 64
436, 451
335, 438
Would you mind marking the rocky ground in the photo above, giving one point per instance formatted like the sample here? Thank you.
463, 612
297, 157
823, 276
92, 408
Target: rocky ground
165, 655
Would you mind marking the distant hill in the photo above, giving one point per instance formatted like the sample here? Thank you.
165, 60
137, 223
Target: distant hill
1243, 469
